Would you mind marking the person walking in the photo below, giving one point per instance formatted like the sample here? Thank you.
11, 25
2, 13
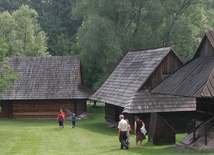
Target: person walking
139, 135
63, 114
60, 119
73, 120
122, 132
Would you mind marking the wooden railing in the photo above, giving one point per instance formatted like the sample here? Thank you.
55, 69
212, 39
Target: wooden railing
206, 129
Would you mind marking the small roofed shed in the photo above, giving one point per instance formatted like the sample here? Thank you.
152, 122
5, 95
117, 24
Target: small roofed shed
161, 133
46, 85
177, 111
195, 79
139, 70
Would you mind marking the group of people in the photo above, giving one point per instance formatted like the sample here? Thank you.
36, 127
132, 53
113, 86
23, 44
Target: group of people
61, 118
124, 129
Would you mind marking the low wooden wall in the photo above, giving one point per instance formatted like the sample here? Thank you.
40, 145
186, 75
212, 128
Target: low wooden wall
112, 113
45, 108
180, 121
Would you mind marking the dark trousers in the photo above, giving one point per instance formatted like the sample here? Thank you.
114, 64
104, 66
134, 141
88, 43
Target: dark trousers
123, 137
73, 124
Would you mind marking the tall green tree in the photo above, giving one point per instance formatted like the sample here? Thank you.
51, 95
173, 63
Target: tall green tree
7, 75
112, 28
56, 19
22, 33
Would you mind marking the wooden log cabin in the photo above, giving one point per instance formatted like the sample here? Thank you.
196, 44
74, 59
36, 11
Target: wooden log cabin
46, 85
196, 79
127, 89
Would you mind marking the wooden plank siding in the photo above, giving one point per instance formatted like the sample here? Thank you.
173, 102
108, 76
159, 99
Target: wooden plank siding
160, 132
112, 113
206, 47
46, 108
168, 66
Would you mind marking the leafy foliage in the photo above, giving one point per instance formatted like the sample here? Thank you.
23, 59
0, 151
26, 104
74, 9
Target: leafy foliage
6, 73
102, 32
22, 33
112, 28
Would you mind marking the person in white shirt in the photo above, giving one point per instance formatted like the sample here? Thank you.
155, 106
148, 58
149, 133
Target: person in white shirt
122, 132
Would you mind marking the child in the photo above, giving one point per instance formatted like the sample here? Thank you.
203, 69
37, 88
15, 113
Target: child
63, 114
73, 119
60, 119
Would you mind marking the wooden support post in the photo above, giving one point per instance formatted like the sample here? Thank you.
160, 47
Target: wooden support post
205, 138
194, 122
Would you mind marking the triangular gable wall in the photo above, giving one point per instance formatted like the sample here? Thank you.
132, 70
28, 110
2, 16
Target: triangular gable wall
206, 48
160, 132
208, 90
167, 66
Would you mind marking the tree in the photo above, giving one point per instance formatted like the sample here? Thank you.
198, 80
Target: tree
22, 33
7, 75
56, 19
101, 37
112, 28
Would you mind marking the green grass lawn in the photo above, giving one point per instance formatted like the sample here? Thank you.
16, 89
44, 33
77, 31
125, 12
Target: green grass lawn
90, 137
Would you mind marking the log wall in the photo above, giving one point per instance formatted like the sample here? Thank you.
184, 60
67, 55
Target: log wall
45, 108
112, 113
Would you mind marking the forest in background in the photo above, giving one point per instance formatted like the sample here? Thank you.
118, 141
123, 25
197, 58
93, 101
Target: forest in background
100, 31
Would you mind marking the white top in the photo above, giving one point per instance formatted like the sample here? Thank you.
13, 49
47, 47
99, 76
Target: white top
123, 125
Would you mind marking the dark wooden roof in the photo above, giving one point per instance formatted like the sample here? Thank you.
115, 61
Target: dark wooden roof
129, 76
195, 79
56, 77
144, 102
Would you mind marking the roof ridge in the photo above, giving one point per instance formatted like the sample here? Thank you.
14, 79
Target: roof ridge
149, 49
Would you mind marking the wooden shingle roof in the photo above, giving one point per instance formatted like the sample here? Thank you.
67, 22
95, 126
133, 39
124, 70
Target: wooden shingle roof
144, 102
195, 79
53, 77
129, 76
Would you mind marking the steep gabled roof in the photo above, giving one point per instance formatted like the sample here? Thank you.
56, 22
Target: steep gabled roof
206, 47
195, 79
53, 77
129, 76
145, 102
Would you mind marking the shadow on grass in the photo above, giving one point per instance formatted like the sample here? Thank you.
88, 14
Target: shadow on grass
146, 149
99, 128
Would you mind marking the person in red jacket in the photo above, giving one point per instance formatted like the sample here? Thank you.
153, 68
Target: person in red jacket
60, 119
63, 114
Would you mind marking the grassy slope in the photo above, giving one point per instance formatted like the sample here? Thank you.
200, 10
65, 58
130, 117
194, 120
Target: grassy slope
90, 137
